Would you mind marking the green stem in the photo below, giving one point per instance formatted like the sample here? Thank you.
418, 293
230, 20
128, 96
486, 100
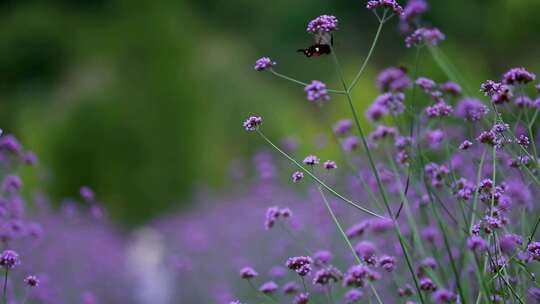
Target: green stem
320, 182
301, 82
370, 53
344, 236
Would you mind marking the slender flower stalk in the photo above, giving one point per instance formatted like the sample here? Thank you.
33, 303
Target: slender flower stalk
316, 179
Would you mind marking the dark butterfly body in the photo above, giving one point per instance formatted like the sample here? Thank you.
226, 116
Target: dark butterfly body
322, 46
316, 50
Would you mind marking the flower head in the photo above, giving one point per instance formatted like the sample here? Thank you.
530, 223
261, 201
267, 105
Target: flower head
518, 75
32, 281
322, 24
353, 296
302, 298
316, 91
311, 160
87, 193
390, 4
471, 109
9, 259
534, 250
264, 63
330, 165
425, 83
414, 8
431, 36
440, 109
252, 123
444, 296
327, 275
393, 79
297, 176
301, 265
342, 127
451, 88
268, 287
523, 101
248, 273
476, 243
11, 183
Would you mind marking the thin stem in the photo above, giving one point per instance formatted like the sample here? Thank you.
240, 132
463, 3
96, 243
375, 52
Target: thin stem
370, 53
5, 285
377, 178
301, 82
320, 182
344, 236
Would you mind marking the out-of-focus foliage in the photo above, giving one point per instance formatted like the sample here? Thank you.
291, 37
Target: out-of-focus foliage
144, 99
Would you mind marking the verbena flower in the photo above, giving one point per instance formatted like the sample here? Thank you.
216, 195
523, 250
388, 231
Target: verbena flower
252, 123
9, 259
487, 137
301, 265
358, 229
302, 298
290, 288
248, 273
451, 88
430, 36
322, 257
268, 287
327, 276
518, 75
353, 296
87, 193
264, 63
322, 24
330, 165
311, 160
440, 109
297, 176
476, 243
413, 9
32, 281
426, 84
427, 284
350, 143
366, 250
387, 263
389, 4
444, 296
534, 250
466, 144
273, 214
12, 183
523, 101
471, 109
342, 127
316, 91
393, 79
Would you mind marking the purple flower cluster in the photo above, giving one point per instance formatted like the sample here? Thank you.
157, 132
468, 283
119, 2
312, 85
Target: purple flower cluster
471, 109
387, 4
264, 63
301, 265
273, 214
252, 123
322, 24
393, 79
316, 91
421, 36
384, 104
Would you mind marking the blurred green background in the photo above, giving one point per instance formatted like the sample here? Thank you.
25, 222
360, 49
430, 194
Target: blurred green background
143, 100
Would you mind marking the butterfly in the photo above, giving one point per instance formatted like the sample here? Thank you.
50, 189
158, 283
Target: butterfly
323, 45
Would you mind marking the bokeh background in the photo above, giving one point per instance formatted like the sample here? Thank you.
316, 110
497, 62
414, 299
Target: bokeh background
143, 100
